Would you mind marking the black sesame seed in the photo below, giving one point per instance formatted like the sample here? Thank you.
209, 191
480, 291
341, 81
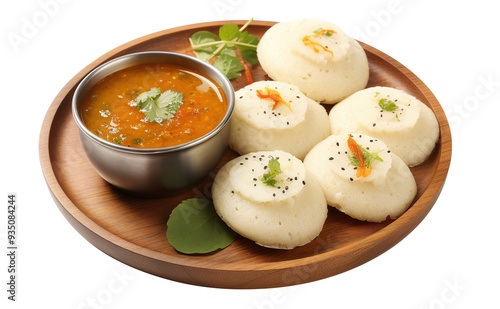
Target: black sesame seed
388, 151
304, 182
286, 187
283, 191
232, 191
371, 141
374, 124
265, 167
241, 97
298, 97
351, 179
279, 187
246, 158
241, 163
342, 168
255, 185
287, 123
338, 144
255, 179
331, 158
295, 178
274, 194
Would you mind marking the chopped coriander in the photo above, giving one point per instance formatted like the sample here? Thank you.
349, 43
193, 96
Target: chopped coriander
158, 106
387, 105
368, 157
274, 169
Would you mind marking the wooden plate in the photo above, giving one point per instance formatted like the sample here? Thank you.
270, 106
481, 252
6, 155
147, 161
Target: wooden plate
132, 230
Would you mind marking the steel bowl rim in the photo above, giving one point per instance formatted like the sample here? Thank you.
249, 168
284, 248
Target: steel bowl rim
230, 98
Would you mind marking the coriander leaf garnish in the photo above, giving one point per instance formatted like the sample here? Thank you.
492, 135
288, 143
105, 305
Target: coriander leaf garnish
208, 46
194, 227
158, 106
274, 169
387, 105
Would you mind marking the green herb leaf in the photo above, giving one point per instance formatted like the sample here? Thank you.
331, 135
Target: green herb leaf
229, 65
195, 227
228, 32
158, 106
204, 37
368, 157
387, 105
248, 53
274, 169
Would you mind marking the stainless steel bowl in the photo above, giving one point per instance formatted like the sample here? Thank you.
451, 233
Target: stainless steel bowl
155, 172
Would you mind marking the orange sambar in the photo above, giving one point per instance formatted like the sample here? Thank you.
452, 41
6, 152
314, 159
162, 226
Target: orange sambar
107, 113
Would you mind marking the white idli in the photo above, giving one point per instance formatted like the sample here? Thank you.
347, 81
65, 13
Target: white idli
296, 128
327, 66
408, 126
289, 214
387, 192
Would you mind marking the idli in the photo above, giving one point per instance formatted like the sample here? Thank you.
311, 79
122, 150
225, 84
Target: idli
270, 198
361, 177
408, 126
270, 115
316, 56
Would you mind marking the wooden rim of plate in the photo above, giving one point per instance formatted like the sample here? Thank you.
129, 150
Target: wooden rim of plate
258, 272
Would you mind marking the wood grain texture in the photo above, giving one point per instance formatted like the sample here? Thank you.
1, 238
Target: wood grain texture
133, 230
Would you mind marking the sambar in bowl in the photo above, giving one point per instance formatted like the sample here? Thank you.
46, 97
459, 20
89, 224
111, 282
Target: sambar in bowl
154, 123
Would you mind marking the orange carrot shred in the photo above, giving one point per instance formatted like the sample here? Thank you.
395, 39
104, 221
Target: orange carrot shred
358, 154
308, 42
273, 95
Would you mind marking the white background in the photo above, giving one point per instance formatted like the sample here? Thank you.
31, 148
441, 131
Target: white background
451, 260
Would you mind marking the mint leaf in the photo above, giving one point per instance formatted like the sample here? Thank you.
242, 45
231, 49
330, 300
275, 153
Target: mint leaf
249, 54
229, 65
203, 37
387, 105
228, 32
194, 227
274, 169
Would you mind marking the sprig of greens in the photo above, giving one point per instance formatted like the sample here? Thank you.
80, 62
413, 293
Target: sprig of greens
368, 157
274, 169
208, 46
158, 106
